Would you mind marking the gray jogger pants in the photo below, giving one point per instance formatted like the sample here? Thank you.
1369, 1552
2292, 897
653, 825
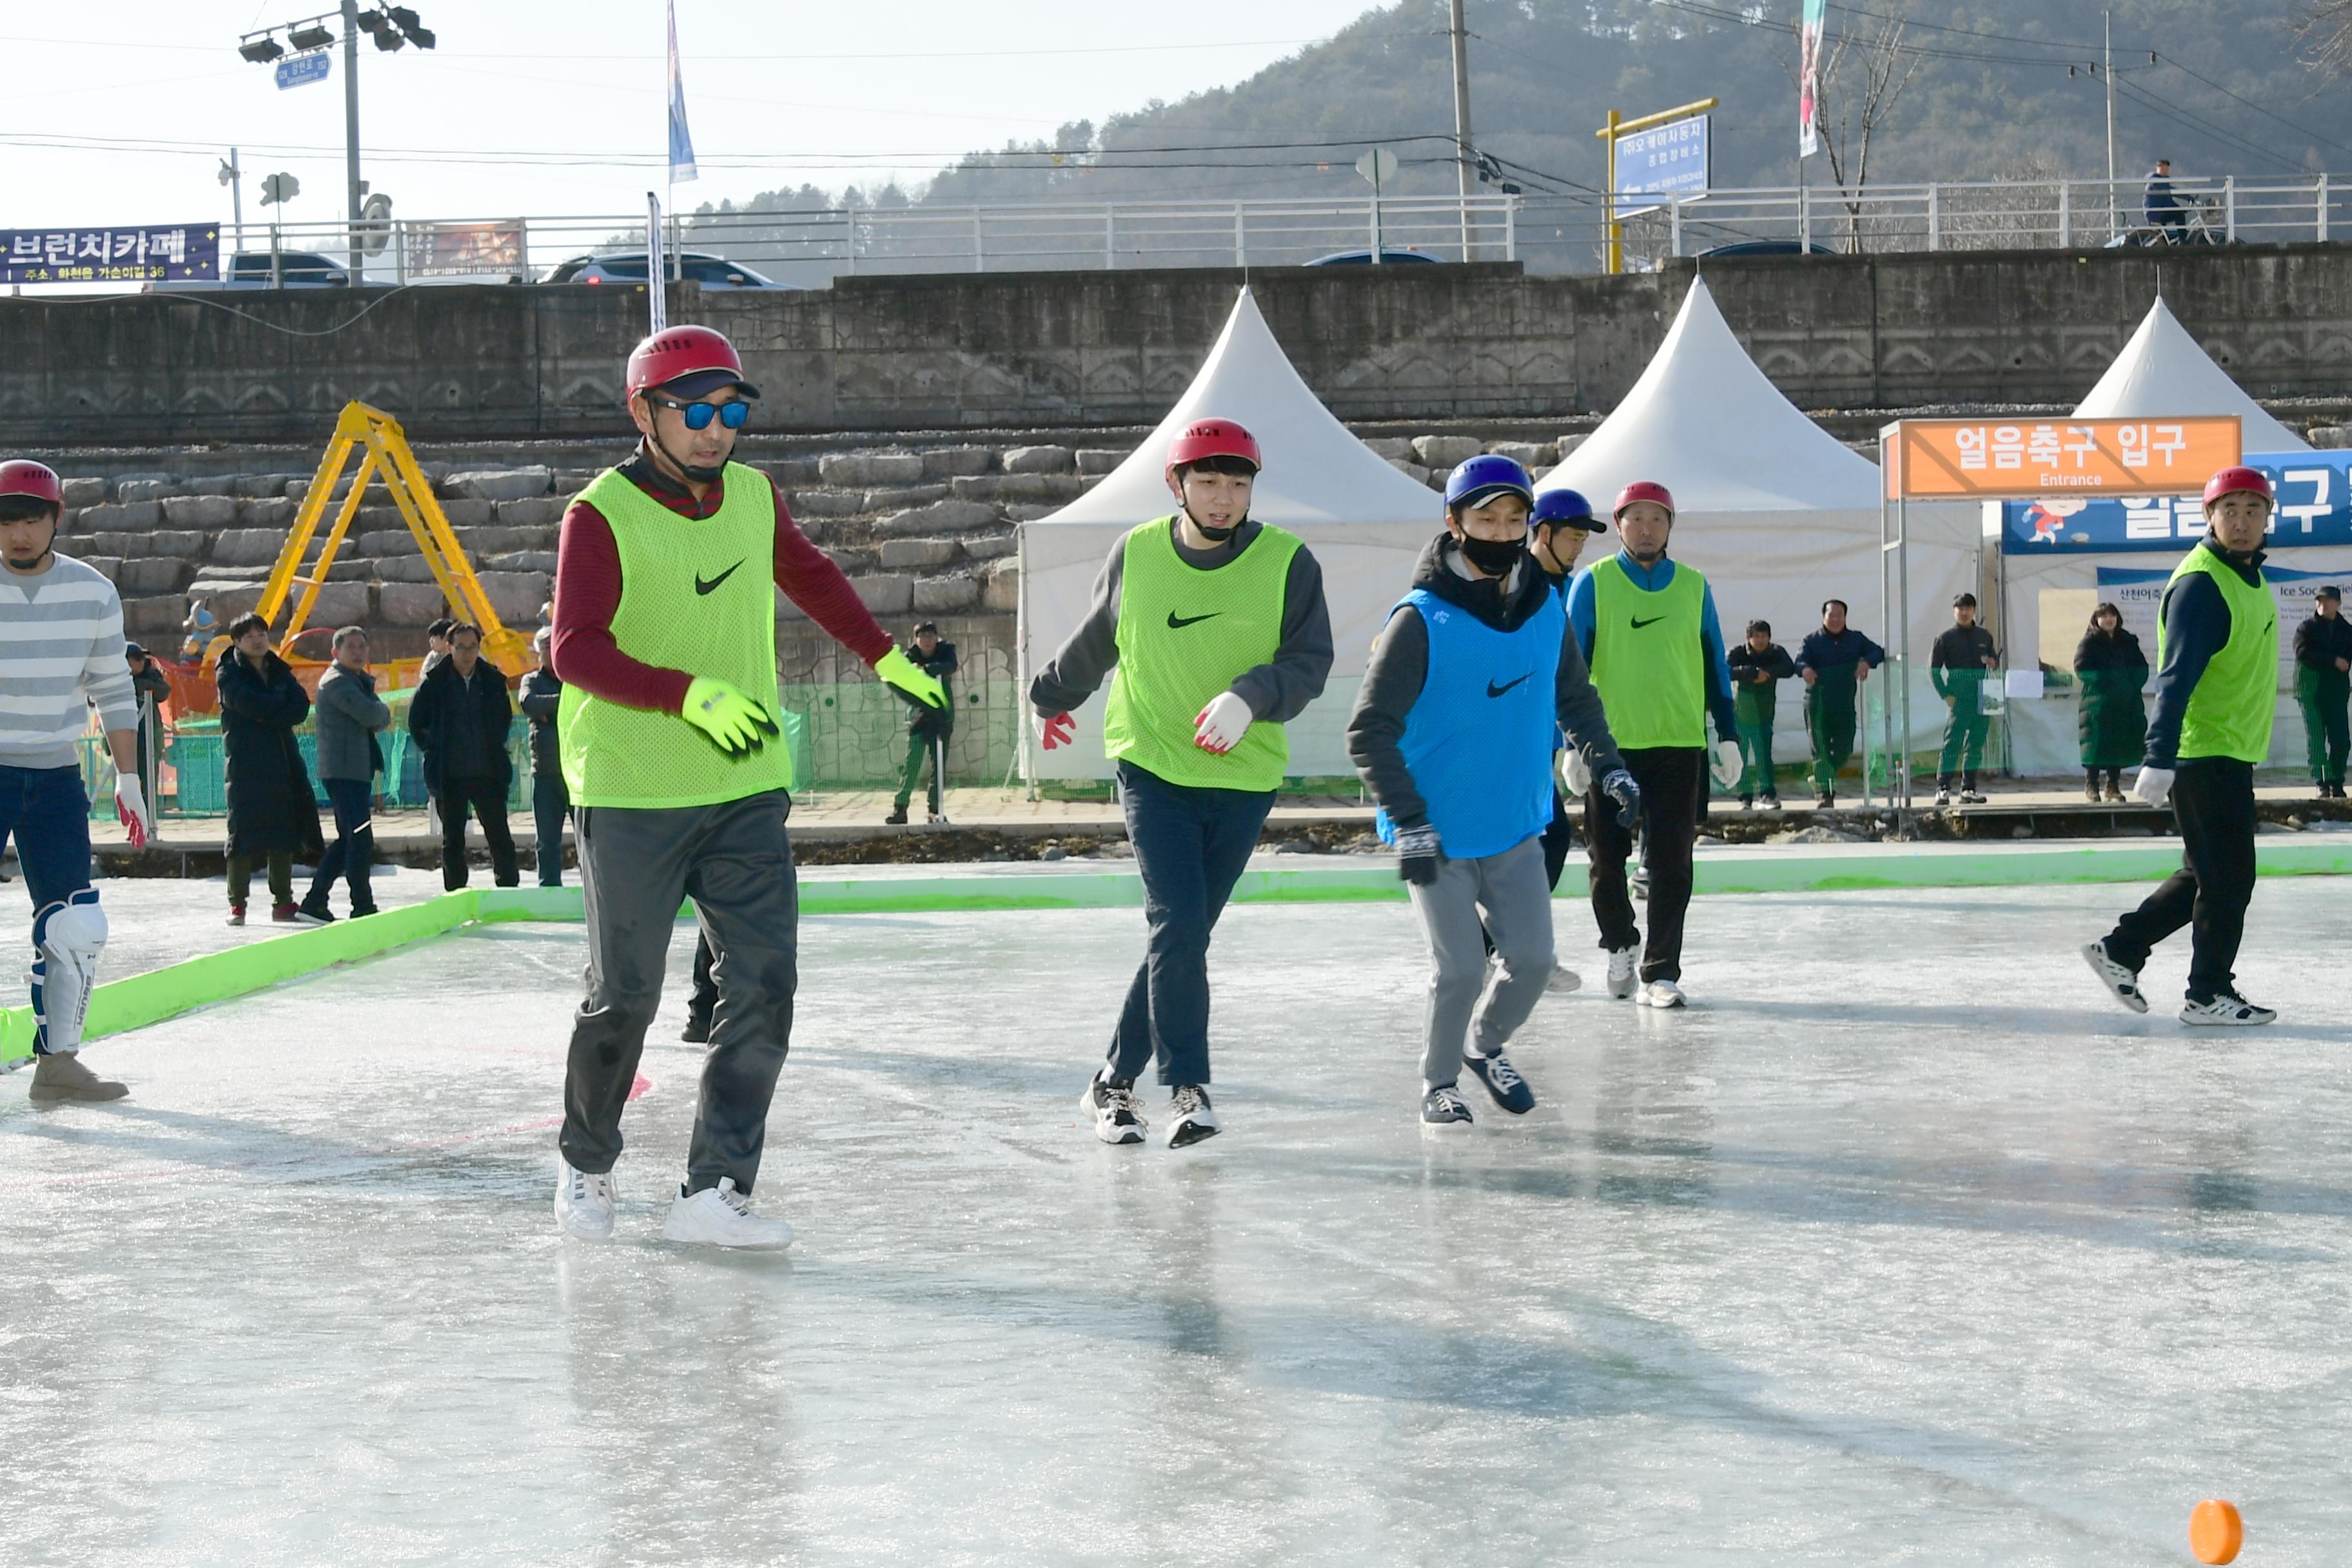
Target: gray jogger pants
637, 866
1511, 891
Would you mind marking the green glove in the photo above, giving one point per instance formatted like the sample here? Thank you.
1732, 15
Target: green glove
900, 671
728, 720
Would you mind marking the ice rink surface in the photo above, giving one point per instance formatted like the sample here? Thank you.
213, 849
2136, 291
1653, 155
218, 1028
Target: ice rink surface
1903, 1245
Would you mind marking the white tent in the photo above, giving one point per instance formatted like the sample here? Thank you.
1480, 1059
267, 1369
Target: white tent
1364, 520
1778, 513
2162, 372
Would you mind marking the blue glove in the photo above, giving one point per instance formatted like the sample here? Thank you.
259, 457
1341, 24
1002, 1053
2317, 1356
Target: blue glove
1417, 851
1619, 787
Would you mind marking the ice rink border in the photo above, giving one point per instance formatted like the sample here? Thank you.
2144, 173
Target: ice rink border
137, 1001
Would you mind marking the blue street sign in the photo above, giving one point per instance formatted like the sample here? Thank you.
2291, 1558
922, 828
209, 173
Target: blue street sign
1663, 162
296, 70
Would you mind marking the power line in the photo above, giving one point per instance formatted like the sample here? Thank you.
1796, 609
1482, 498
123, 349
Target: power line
2259, 109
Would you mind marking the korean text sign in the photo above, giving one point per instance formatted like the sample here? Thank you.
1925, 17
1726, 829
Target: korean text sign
148, 255
1960, 459
2315, 507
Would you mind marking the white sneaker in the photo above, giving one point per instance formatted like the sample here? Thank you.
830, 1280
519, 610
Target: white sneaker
1192, 1117
2227, 1007
1622, 960
584, 1202
1110, 1104
2122, 982
721, 1216
1661, 994
1563, 980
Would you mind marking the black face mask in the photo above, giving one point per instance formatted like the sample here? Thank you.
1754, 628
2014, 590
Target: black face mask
1495, 557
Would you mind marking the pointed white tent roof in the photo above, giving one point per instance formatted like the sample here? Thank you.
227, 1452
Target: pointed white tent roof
1709, 426
2162, 371
1316, 470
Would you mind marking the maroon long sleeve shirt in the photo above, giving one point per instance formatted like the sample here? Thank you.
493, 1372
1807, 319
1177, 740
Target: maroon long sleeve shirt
588, 591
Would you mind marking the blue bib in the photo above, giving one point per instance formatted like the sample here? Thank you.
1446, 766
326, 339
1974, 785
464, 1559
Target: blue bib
1479, 738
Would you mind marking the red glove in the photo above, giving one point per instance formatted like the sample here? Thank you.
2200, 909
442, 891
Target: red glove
1058, 731
130, 808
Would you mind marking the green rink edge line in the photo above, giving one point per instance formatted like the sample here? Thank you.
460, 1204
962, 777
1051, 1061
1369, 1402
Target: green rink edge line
140, 1000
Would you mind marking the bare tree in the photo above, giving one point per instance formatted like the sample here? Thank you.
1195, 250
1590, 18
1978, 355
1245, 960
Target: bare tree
1864, 72
2325, 29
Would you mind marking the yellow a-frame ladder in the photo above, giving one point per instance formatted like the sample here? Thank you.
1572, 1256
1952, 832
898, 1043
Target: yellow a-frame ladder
378, 435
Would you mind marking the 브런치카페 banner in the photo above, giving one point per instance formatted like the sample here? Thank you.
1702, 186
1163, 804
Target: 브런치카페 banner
153, 254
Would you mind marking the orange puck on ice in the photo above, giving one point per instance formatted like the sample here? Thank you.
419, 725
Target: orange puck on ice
2215, 1530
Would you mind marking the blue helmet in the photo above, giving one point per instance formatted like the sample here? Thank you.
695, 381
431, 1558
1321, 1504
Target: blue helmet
1482, 478
1566, 509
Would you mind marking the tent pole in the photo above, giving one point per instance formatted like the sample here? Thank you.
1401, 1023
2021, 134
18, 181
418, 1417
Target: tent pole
1903, 603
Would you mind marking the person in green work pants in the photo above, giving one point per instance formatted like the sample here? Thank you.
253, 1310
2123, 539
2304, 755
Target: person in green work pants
2323, 684
928, 728
1833, 662
1758, 667
2113, 725
1959, 664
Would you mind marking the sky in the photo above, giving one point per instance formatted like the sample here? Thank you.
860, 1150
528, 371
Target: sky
538, 109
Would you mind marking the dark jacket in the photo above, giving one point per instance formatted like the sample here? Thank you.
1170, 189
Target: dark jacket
2112, 725
1756, 680
271, 805
151, 681
1400, 667
349, 716
2319, 642
542, 696
1835, 662
922, 719
2196, 621
463, 724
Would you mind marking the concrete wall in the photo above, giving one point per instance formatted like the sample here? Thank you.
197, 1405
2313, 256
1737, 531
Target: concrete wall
1112, 348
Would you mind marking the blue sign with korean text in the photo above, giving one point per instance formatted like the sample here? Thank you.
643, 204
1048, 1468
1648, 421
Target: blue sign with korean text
1663, 162
295, 70
111, 254
2315, 507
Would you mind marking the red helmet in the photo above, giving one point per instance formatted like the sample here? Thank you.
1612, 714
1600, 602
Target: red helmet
2229, 481
680, 352
24, 477
1213, 439
1644, 489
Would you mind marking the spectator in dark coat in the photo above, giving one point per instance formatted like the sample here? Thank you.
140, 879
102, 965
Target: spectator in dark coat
2323, 681
551, 803
351, 716
151, 688
461, 716
2113, 724
273, 813
928, 728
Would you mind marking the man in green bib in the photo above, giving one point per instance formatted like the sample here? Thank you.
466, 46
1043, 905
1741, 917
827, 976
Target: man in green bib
665, 638
1212, 630
2217, 685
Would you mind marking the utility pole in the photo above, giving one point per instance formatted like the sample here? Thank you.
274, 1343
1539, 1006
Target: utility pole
1463, 174
351, 131
2115, 212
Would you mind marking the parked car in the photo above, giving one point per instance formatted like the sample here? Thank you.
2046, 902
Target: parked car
255, 270
1772, 248
1364, 258
629, 266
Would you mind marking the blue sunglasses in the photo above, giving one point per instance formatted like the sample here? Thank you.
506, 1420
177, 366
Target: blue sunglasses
699, 416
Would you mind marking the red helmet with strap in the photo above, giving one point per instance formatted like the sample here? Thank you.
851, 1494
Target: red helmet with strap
676, 352
1205, 438
24, 477
2230, 482
1641, 490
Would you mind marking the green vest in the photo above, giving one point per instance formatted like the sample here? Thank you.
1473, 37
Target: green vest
698, 596
2230, 712
1648, 657
1184, 634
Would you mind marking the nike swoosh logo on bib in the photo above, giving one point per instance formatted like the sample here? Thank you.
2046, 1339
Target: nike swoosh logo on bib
1639, 622
1495, 691
1177, 623
702, 587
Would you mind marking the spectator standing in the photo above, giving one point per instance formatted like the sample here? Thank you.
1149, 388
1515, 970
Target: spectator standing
151, 688
461, 715
1834, 663
349, 718
2113, 722
1959, 664
551, 803
1758, 665
436, 649
2323, 684
273, 814
928, 728
2164, 208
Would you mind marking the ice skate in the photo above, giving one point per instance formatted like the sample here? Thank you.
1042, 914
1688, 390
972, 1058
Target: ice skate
1563, 980
1622, 963
1504, 1084
584, 1202
722, 1216
1662, 993
1109, 1102
1194, 1118
2122, 982
58, 1078
2227, 1009
1442, 1110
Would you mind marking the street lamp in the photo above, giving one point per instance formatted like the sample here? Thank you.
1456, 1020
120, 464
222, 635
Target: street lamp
392, 27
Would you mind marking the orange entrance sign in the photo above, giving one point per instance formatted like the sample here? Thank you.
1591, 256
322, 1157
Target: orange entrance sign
2024, 460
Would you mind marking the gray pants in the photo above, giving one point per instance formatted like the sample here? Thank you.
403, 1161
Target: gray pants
1514, 895
636, 867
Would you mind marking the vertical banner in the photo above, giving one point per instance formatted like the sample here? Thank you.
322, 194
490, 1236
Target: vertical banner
681, 140
656, 270
1808, 78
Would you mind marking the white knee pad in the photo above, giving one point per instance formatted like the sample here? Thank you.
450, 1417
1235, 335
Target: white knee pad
67, 940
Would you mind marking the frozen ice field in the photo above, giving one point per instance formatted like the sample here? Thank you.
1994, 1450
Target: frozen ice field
1903, 1244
